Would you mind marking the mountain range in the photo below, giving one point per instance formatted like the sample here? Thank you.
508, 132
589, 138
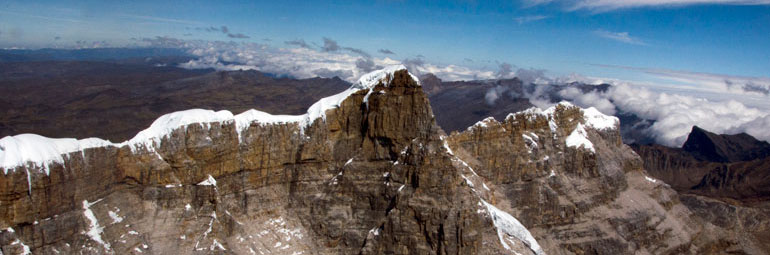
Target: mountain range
391, 164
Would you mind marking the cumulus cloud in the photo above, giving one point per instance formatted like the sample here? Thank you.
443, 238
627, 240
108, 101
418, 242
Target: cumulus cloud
386, 51
419, 66
623, 37
330, 45
593, 98
366, 65
505, 71
674, 114
532, 76
527, 19
495, 93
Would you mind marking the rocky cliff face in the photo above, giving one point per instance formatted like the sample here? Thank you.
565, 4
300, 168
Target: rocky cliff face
367, 171
372, 175
592, 197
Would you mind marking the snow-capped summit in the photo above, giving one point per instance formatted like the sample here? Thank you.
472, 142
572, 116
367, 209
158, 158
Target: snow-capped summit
40, 151
371, 79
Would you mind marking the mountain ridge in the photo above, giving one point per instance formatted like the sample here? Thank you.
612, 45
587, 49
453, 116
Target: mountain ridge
375, 175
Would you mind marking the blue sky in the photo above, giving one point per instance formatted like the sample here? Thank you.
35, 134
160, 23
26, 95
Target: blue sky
678, 62
560, 36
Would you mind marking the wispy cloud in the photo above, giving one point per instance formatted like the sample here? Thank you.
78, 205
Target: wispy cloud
238, 36
162, 19
531, 3
623, 37
707, 82
298, 42
41, 17
386, 51
527, 19
610, 5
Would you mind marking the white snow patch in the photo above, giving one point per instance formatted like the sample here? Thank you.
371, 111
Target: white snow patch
385, 75
164, 125
210, 181
375, 231
217, 245
39, 151
24, 248
508, 225
35, 150
446, 146
650, 179
529, 142
598, 120
483, 123
579, 138
468, 181
115, 217
94, 230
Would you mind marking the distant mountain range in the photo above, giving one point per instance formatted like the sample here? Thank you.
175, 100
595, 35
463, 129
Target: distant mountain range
97, 54
733, 167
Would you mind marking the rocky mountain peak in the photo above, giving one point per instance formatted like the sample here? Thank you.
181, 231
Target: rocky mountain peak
707, 146
366, 171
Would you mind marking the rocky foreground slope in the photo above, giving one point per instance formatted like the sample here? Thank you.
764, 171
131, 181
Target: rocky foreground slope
366, 171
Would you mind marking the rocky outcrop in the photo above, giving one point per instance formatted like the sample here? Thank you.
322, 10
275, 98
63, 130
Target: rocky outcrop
366, 171
370, 174
590, 198
707, 146
734, 168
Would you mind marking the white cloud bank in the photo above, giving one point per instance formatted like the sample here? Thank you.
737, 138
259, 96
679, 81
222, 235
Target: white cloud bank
718, 103
675, 114
301, 60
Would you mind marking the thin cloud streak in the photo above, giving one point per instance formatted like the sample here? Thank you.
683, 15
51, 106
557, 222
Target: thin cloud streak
708, 82
41, 17
161, 19
527, 19
599, 6
623, 37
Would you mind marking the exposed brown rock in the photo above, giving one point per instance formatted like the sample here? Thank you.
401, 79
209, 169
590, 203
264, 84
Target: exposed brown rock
375, 176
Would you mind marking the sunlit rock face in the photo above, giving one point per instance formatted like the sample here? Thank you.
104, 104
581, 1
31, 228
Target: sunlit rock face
366, 171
